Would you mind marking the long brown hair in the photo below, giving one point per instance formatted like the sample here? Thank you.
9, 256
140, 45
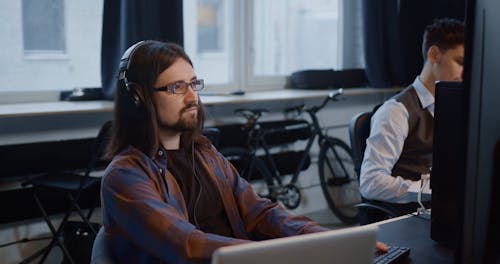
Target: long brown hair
136, 124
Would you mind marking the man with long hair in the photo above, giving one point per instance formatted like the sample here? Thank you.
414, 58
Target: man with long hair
169, 196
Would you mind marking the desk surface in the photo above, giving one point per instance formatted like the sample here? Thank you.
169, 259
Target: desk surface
414, 232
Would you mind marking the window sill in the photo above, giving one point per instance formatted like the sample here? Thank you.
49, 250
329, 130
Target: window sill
63, 107
50, 108
287, 94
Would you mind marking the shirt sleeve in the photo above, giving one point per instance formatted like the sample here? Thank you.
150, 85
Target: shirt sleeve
389, 130
262, 218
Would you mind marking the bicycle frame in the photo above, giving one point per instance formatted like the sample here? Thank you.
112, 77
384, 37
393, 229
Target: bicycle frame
316, 132
333, 164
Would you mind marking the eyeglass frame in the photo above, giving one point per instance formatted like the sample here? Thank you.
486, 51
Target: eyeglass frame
172, 88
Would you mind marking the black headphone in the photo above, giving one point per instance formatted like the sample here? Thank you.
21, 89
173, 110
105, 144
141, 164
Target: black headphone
129, 92
131, 88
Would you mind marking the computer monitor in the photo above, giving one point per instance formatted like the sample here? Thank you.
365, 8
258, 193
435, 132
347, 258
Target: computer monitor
470, 219
448, 165
482, 89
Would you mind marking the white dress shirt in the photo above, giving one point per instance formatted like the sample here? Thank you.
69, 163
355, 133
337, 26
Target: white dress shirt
389, 130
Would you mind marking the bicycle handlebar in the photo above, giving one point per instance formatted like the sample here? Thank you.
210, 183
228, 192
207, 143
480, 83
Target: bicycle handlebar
333, 96
257, 113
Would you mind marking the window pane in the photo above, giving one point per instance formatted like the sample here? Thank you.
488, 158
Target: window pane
207, 29
210, 35
47, 15
290, 35
52, 44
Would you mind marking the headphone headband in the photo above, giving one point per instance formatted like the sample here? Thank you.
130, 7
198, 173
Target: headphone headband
130, 88
127, 58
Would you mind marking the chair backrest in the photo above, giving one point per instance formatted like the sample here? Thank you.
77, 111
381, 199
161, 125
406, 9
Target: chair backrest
359, 130
101, 251
97, 160
213, 134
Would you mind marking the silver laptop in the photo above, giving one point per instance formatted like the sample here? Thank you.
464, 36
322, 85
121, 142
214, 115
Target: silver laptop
348, 245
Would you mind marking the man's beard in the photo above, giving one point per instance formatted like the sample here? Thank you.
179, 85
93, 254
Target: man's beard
184, 124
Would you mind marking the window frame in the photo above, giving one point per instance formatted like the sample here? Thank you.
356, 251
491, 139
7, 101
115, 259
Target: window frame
233, 47
253, 82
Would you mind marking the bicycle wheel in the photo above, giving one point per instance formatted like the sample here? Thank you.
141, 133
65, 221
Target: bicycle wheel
250, 168
338, 179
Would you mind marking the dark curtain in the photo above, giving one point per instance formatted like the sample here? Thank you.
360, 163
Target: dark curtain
393, 36
126, 22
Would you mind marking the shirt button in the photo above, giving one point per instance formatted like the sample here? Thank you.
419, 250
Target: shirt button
160, 153
161, 171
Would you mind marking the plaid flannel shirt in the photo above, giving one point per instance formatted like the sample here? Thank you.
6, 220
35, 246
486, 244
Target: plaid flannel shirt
145, 216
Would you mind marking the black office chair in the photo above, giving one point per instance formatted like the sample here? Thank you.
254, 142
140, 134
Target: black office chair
213, 134
359, 131
72, 185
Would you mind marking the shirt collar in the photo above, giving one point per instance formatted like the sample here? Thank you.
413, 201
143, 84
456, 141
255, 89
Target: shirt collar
425, 97
160, 157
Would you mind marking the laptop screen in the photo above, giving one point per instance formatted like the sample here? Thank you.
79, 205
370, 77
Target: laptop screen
348, 245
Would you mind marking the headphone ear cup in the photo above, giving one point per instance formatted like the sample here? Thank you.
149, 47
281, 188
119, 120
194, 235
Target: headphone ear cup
130, 101
129, 93
134, 91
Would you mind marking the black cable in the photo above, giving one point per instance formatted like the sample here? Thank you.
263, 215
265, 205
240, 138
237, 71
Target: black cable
201, 188
24, 240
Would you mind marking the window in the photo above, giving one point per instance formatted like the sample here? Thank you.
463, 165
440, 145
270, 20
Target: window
255, 44
210, 26
52, 45
51, 38
55, 45
207, 39
290, 35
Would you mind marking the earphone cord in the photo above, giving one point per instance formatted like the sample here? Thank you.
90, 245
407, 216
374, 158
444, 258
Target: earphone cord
423, 183
201, 188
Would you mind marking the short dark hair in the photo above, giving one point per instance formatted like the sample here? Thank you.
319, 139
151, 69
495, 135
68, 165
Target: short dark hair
137, 126
445, 33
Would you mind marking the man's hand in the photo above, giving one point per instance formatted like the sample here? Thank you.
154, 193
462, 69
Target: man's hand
381, 247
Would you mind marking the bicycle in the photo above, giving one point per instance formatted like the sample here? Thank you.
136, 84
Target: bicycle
338, 179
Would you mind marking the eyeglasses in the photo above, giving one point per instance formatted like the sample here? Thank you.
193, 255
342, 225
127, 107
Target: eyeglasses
181, 87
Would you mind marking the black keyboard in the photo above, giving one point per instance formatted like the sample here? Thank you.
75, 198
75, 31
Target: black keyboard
393, 255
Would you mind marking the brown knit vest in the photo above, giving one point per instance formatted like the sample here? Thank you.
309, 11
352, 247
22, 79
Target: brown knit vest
416, 157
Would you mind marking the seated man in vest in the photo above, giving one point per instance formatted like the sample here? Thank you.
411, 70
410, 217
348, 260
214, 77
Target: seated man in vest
399, 149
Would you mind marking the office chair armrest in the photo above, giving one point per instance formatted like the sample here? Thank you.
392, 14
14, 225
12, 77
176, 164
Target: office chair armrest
375, 207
